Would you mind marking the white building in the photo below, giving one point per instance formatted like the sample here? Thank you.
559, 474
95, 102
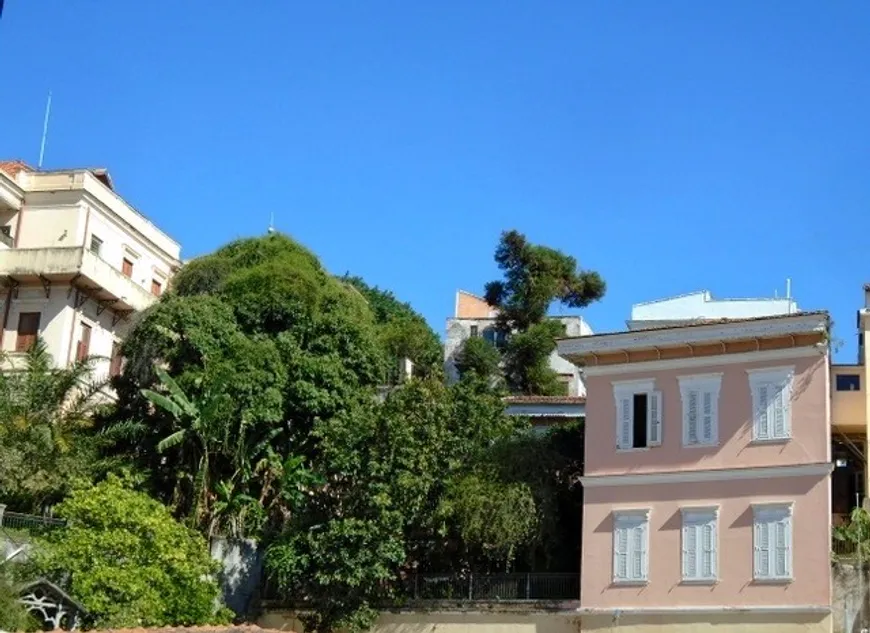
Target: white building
474, 317
77, 263
701, 306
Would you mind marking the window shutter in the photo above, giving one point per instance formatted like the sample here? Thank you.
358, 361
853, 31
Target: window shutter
623, 437
692, 418
779, 407
708, 550
620, 553
691, 551
708, 417
654, 418
782, 553
762, 412
762, 550
637, 553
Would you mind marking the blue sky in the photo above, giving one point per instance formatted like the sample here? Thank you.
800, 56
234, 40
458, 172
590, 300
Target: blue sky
673, 146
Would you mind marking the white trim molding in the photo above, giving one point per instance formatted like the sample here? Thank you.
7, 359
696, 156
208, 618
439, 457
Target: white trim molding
700, 476
705, 361
711, 610
802, 323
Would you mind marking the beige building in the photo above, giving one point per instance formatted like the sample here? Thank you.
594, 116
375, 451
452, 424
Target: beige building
77, 263
849, 406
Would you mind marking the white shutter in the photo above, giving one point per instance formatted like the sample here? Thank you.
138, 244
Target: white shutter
624, 423
690, 548
762, 412
638, 552
620, 553
692, 417
654, 418
779, 408
708, 417
762, 550
708, 550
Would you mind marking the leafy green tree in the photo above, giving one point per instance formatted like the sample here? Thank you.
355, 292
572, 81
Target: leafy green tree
13, 617
403, 333
479, 358
45, 428
534, 277
129, 562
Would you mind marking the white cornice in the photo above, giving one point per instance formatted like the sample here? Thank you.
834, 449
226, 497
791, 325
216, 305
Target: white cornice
704, 361
693, 335
10, 192
711, 610
699, 476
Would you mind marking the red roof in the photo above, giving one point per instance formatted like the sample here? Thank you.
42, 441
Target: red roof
12, 167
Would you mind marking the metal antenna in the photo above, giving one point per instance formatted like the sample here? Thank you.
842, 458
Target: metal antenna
44, 130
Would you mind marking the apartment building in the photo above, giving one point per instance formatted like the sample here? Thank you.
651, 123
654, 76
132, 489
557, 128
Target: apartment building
474, 317
77, 263
849, 406
707, 482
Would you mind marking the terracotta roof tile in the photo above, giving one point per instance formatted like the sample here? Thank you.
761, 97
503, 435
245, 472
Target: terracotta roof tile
545, 399
12, 167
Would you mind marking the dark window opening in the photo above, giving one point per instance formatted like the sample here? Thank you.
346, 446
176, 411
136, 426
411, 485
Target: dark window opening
96, 245
83, 349
848, 382
28, 330
474, 331
117, 361
489, 334
639, 421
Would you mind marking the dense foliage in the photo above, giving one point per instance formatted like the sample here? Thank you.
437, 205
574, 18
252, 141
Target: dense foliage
128, 561
534, 277
260, 399
45, 439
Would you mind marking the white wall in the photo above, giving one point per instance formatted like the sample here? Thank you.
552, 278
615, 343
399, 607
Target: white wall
61, 324
49, 226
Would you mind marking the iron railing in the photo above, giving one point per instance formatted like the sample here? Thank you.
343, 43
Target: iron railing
493, 587
524, 587
18, 521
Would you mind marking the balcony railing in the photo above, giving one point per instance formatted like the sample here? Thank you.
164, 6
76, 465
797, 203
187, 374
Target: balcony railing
28, 522
530, 587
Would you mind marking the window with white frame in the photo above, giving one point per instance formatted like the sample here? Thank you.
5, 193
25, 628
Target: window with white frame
771, 403
700, 396
700, 544
638, 414
630, 546
772, 540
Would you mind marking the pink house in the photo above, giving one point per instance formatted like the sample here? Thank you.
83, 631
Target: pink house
706, 490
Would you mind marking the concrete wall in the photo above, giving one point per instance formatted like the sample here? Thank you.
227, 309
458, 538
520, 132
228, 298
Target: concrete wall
49, 226
524, 621
572, 622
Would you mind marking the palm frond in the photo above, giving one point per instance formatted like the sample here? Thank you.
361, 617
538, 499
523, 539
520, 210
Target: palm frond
167, 404
172, 441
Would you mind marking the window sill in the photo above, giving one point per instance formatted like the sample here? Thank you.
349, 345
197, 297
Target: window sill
639, 449
773, 581
630, 583
699, 445
775, 440
700, 581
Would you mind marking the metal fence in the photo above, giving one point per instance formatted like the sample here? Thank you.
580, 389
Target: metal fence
844, 549
531, 587
18, 521
494, 587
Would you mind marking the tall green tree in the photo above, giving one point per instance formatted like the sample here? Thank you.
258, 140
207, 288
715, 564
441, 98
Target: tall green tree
46, 418
535, 277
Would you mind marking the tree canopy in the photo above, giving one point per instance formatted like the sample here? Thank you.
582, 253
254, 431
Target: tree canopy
128, 561
535, 277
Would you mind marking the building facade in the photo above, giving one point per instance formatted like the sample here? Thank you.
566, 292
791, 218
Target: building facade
77, 264
474, 317
707, 481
